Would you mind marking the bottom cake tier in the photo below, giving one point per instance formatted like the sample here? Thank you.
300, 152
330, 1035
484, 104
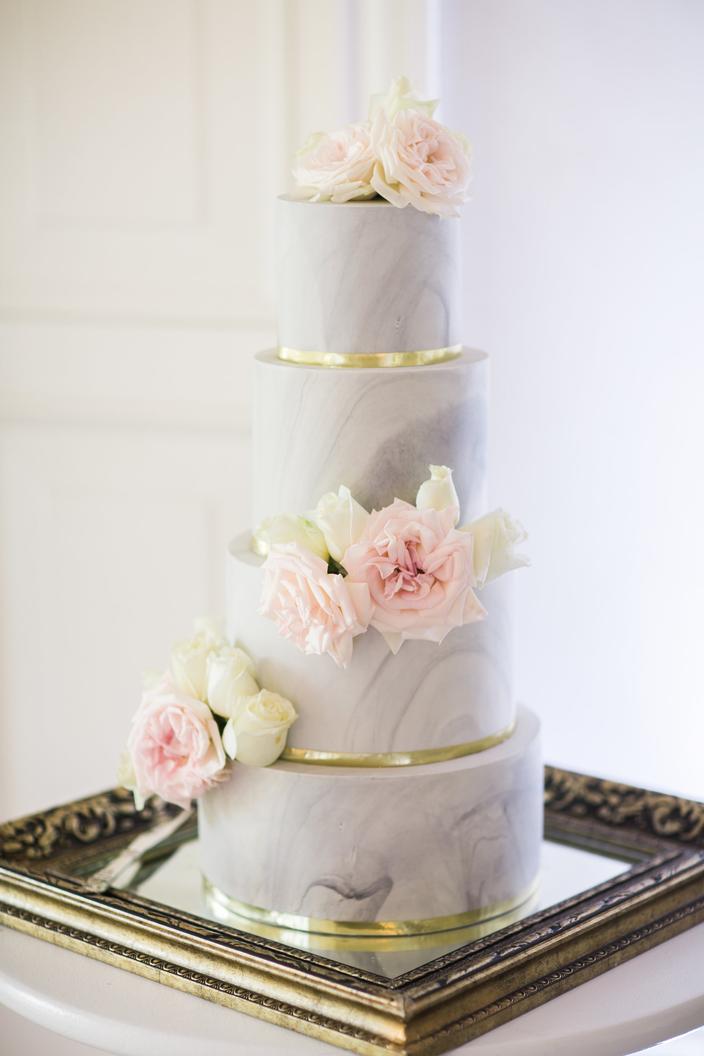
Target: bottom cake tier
394, 850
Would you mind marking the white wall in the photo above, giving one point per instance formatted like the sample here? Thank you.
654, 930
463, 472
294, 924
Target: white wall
584, 256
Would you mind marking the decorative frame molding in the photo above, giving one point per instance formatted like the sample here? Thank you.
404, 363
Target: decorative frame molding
430, 1009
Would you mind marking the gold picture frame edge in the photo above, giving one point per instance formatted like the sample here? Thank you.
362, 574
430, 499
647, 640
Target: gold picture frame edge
343, 1034
123, 937
599, 948
414, 1013
189, 980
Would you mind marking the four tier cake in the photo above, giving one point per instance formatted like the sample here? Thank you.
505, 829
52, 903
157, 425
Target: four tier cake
381, 777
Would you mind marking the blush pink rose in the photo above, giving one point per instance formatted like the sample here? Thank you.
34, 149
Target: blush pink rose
419, 572
174, 745
420, 162
336, 166
318, 611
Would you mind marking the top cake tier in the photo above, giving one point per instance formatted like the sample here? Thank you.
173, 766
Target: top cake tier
366, 277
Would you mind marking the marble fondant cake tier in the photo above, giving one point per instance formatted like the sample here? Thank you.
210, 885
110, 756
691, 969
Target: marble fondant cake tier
375, 430
367, 845
425, 696
366, 277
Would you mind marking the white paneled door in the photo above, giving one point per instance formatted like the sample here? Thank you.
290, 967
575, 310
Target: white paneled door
143, 144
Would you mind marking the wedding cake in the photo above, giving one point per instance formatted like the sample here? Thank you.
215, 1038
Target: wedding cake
381, 778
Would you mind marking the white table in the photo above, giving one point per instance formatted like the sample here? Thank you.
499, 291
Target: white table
658, 995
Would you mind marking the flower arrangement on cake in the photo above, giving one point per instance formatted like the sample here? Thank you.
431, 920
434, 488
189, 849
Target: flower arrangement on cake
406, 570
207, 706
401, 153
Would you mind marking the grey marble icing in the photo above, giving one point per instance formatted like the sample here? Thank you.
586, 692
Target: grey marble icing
366, 277
375, 430
425, 696
392, 844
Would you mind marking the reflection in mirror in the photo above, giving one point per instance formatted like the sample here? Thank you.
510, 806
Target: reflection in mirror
174, 879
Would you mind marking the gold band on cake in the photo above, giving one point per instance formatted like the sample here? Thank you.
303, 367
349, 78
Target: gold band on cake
356, 928
420, 757
417, 358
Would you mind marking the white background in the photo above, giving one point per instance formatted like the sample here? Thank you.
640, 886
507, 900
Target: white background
584, 260
142, 146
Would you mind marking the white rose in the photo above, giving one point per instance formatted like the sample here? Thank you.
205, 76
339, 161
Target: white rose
341, 519
126, 778
495, 536
256, 735
209, 630
336, 166
287, 528
438, 492
230, 676
125, 771
189, 659
400, 96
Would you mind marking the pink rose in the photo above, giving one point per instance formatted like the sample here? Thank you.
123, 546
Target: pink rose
336, 166
320, 612
419, 572
420, 162
174, 745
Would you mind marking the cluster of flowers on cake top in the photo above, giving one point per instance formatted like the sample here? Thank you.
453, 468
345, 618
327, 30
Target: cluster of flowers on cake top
401, 153
208, 705
406, 570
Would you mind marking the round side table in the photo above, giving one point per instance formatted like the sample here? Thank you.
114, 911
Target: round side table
655, 996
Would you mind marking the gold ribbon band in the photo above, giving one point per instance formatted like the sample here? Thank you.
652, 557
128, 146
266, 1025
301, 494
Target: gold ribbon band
419, 358
420, 757
432, 940
222, 903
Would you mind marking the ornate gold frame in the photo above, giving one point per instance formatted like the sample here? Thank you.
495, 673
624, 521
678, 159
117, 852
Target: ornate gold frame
428, 1010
